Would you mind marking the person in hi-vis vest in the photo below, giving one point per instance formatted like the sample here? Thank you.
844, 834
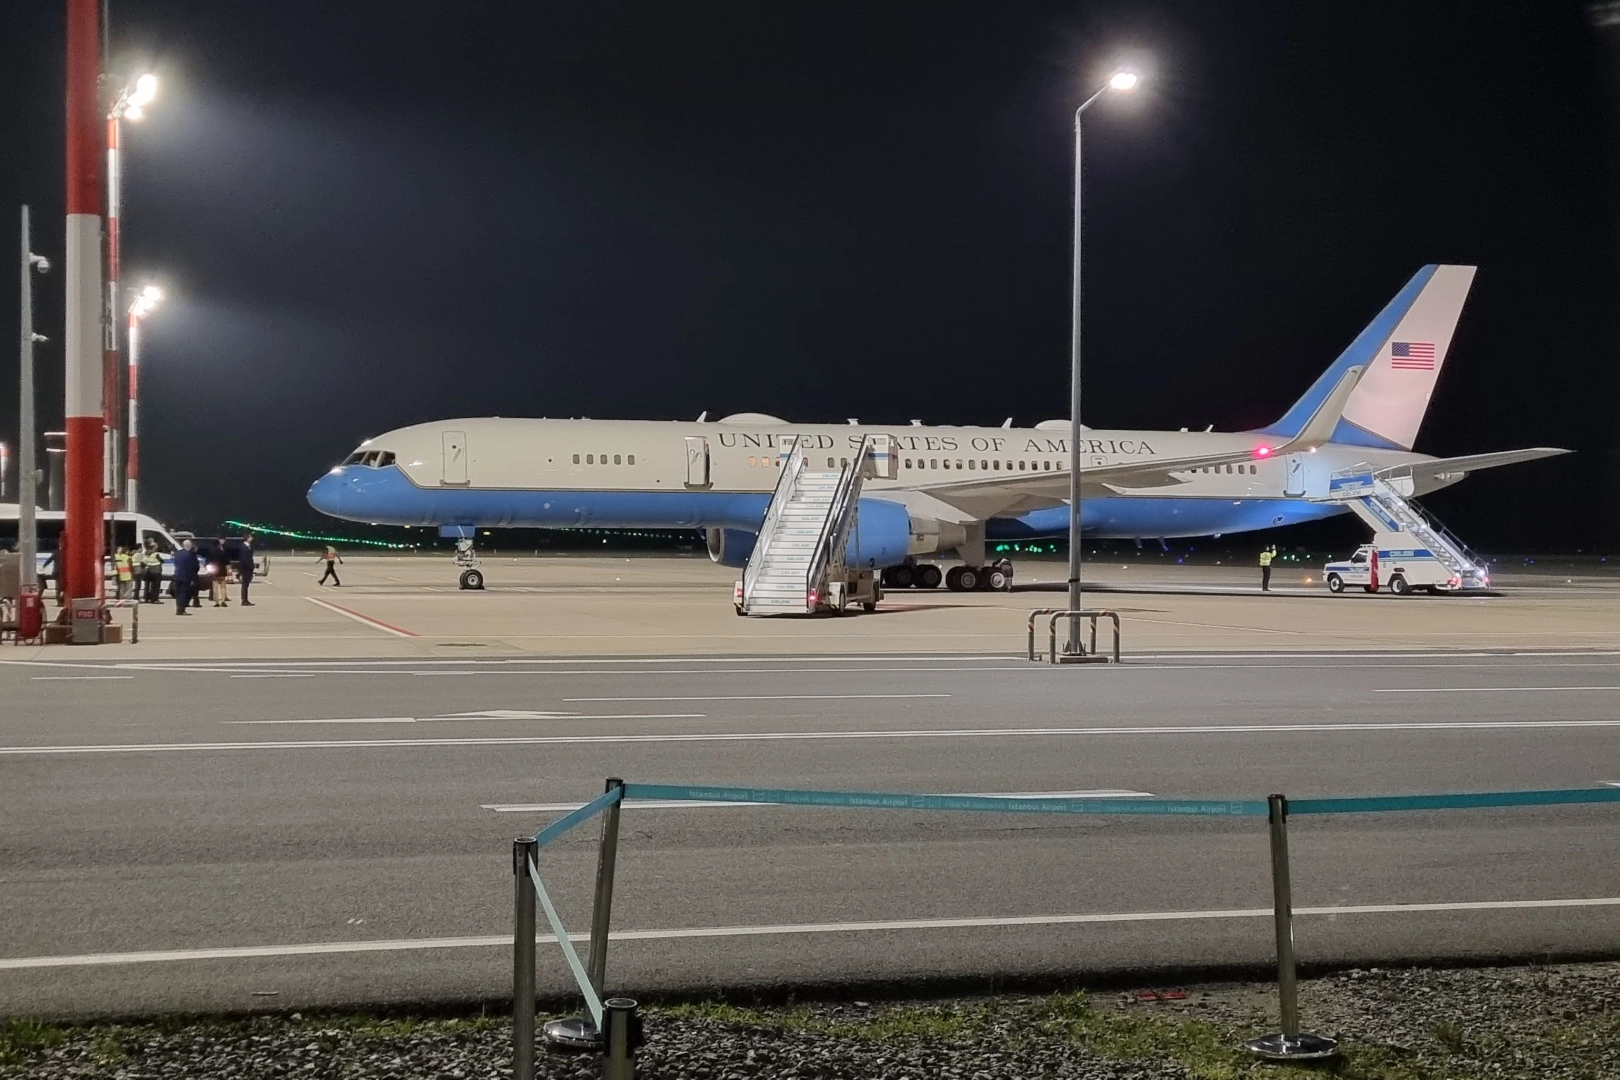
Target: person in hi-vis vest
1266, 555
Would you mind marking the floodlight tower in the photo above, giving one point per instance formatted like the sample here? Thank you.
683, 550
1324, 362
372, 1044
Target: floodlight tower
130, 104
147, 299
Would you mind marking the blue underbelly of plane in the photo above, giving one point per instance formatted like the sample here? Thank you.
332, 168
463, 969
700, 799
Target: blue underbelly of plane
384, 496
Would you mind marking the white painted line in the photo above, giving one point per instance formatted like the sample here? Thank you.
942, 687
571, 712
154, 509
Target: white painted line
76, 678
1488, 689
277, 675
318, 948
798, 736
462, 719
682, 804
768, 697
866, 659
363, 620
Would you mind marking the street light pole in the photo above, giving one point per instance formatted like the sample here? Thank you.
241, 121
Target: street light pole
1121, 81
143, 305
27, 473
131, 103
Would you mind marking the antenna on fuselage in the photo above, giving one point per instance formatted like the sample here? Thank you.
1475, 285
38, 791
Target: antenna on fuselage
702, 416
1007, 423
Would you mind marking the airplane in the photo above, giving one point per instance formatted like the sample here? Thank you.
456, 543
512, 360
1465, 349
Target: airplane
957, 488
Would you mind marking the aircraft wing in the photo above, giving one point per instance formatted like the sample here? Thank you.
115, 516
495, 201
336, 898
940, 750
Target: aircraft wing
1457, 467
990, 496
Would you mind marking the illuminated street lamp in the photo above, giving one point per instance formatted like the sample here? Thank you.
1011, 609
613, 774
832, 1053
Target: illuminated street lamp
130, 104
145, 301
1122, 81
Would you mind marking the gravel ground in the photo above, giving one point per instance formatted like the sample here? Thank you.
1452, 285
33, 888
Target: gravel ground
1558, 1023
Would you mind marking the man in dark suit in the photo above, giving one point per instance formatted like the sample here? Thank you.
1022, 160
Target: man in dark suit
184, 582
244, 567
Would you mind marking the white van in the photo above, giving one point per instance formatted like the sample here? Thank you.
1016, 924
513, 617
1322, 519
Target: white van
122, 529
1401, 568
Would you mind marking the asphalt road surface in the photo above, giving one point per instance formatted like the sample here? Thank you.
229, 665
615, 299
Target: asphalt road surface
196, 835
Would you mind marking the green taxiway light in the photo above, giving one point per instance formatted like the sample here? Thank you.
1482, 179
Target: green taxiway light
293, 535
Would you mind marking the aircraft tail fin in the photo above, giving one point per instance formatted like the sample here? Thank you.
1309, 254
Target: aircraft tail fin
1402, 352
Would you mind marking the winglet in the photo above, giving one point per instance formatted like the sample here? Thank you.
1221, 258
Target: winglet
1320, 427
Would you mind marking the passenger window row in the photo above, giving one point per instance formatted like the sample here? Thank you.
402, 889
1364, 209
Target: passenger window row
982, 465
602, 459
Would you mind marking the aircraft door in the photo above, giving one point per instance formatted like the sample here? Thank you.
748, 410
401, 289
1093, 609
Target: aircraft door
1294, 481
697, 461
455, 458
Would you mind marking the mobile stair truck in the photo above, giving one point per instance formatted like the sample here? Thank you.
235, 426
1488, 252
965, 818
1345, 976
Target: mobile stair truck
1409, 550
801, 563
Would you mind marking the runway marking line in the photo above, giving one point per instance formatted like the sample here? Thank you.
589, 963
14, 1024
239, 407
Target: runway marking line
939, 658
798, 736
682, 804
476, 719
76, 678
767, 697
318, 948
365, 620
1487, 689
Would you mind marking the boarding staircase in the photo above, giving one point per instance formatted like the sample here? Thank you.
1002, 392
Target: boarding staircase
801, 542
1382, 498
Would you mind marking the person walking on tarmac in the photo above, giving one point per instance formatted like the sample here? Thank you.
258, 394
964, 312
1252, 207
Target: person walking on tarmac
125, 569
1266, 555
185, 576
219, 576
332, 559
244, 567
151, 571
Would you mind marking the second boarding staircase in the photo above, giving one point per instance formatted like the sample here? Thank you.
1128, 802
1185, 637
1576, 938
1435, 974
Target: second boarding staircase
1383, 500
800, 548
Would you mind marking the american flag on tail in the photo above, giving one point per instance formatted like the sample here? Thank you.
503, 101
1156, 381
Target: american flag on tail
1411, 355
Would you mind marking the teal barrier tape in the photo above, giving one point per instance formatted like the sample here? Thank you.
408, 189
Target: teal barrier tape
1471, 800
577, 817
592, 1001
875, 800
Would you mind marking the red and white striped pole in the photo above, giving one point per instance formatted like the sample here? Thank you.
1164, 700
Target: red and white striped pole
132, 459
139, 309
110, 397
80, 559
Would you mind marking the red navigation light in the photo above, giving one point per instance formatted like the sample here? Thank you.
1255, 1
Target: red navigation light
1262, 451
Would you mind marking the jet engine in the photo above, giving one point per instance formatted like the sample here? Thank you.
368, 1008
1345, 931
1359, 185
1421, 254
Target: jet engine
884, 535
730, 547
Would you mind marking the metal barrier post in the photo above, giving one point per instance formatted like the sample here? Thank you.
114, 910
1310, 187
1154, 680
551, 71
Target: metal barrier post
621, 1037
1037, 613
1290, 1044
579, 1033
523, 942
602, 909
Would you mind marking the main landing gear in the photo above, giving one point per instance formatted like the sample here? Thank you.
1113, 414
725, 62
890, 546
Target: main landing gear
466, 558
997, 577
912, 577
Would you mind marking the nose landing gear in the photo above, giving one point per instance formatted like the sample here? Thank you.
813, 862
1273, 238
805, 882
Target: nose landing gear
466, 558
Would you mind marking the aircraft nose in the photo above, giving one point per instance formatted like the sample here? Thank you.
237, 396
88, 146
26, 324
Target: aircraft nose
326, 494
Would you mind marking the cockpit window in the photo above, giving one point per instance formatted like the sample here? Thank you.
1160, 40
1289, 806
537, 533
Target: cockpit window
354, 458
385, 458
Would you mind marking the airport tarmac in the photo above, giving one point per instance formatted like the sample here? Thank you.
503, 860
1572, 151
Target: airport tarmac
409, 606
223, 818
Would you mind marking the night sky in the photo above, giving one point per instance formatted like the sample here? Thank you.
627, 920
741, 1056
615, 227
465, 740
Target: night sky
368, 214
